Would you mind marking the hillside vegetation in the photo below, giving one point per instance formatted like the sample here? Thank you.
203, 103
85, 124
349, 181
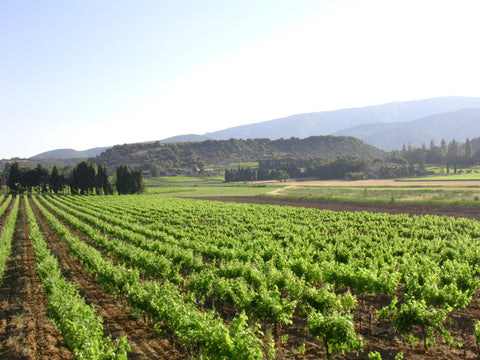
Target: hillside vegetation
211, 152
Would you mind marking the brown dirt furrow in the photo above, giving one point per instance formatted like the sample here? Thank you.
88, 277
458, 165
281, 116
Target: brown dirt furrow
25, 330
118, 320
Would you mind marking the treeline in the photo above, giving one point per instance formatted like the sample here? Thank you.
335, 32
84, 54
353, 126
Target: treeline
451, 156
409, 161
413, 161
248, 174
279, 169
84, 178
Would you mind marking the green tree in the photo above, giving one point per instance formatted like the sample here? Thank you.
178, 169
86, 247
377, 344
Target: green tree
137, 182
57, 181
468, 150
28, 179
443, 146
281, 175
41, 176
421, 162
83, 178
13, 179
102, 183
123, 179
452, 155
129, 182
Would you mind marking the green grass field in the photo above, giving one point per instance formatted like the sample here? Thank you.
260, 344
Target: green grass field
181, 179
468, 195
403, 193
457, 177
408, 190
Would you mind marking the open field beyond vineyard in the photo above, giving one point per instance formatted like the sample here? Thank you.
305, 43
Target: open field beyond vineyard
411, 191
150, 277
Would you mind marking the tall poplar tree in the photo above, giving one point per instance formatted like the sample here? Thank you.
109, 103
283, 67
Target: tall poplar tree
57, 182
13, 179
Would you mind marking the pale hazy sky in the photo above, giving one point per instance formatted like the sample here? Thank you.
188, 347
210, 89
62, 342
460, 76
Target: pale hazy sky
85, 73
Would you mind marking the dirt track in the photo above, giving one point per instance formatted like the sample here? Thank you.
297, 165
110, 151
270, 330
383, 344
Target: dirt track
471, 212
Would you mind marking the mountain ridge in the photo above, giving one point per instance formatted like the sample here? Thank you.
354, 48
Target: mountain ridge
330, 122
356, 122
459, 125
70, 153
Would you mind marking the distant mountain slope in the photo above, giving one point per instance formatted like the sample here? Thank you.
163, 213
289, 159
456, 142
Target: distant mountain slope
377, 125
459, 125
186, 138
332, 122
210, 152
47, 163
70, 153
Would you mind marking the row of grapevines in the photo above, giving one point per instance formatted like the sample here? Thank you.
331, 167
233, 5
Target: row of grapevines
148, 261
81, 328
7, 235
433, 260
5, 204
225, 269
450, 285
363, 276
334, 309
253, 289
401, 242
166, 304
378, 276
228, 283
110, 225
260, 303
367, 242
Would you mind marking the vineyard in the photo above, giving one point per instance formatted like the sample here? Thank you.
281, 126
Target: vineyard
145, 277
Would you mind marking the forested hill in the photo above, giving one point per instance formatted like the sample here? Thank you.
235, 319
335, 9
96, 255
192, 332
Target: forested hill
212, 152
